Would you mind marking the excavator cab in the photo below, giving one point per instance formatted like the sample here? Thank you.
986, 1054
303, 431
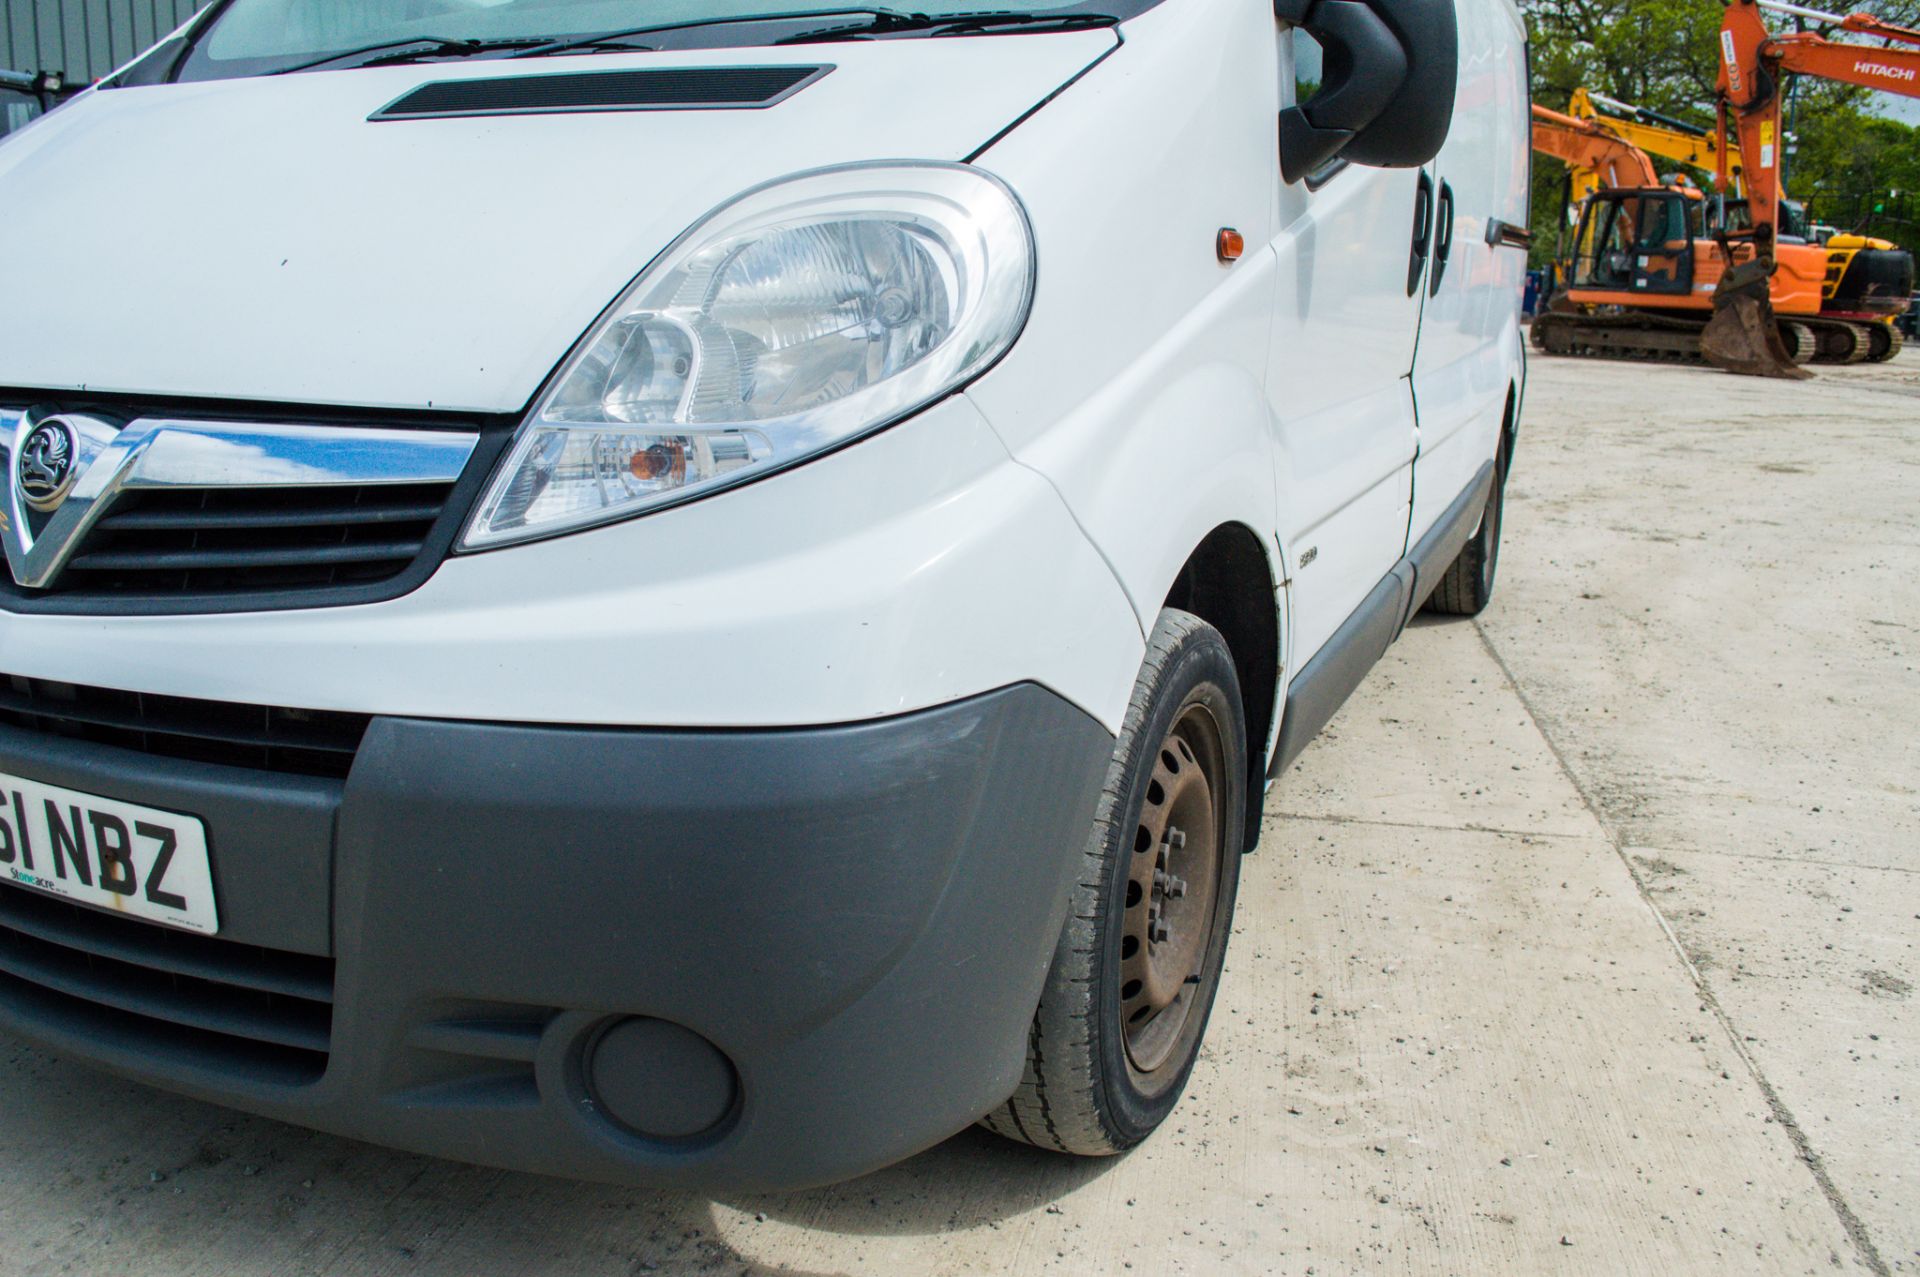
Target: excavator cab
1792, 227
1639, 242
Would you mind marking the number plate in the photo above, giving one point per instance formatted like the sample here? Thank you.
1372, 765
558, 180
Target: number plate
133, 860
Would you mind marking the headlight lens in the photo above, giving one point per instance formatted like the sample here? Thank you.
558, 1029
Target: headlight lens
802, 315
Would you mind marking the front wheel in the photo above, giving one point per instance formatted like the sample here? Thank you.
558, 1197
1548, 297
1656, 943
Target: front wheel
1135, 972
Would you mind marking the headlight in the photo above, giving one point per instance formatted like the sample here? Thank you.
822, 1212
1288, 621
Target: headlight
804, 314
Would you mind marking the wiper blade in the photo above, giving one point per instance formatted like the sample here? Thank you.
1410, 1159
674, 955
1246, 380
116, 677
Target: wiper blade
860, 24
618, 41
417, 49
967, 24
956, 24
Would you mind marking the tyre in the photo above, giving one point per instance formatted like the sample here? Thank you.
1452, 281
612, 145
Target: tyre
1134, 974
1466, 587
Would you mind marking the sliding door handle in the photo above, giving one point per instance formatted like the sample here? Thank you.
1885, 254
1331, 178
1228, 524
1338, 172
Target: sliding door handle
1422, 232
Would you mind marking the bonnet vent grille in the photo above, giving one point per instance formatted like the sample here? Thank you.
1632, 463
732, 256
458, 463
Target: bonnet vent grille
666, 89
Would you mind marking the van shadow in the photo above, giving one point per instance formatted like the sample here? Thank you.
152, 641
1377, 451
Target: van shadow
94, 1170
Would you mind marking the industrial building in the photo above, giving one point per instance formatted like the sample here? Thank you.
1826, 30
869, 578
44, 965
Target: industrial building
83, 40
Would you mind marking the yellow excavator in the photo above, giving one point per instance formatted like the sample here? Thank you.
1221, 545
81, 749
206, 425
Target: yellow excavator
1658, 135
1856, 265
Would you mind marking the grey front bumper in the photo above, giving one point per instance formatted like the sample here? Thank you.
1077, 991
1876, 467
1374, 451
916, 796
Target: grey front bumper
854, 920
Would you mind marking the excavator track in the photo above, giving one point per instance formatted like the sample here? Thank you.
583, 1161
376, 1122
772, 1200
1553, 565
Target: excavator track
1886, 340
1837, 341
1638, 335
1631, 335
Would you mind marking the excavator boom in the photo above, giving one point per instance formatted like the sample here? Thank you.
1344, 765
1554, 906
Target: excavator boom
1656, 134
1584, 145
1753, 60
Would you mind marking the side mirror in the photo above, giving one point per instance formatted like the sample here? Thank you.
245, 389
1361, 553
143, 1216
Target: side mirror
1387, 97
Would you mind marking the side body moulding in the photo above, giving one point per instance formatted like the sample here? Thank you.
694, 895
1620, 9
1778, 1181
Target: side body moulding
1324, 683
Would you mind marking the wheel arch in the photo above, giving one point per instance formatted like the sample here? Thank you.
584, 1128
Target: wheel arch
1228, 582
1509, 432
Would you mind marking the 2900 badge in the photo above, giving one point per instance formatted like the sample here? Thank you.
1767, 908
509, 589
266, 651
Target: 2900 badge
134, 860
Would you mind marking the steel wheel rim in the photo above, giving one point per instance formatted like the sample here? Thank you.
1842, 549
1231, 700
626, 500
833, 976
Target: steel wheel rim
1172, 896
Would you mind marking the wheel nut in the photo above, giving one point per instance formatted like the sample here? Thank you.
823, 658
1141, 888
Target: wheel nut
1157, 930
1171, 887
1176, 839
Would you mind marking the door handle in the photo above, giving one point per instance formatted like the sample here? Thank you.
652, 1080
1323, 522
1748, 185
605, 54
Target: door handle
1506, 235
1444, 249
1422, 232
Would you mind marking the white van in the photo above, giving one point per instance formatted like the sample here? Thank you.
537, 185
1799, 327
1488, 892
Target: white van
706, 594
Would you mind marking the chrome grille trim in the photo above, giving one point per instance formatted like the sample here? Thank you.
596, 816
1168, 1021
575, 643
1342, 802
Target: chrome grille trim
162, 454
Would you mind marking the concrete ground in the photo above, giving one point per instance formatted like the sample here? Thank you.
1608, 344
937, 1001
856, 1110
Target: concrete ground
1583, 942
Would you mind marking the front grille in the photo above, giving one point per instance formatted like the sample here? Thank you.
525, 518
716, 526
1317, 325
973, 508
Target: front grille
206, 515
213, 541
263, 737
261, 1012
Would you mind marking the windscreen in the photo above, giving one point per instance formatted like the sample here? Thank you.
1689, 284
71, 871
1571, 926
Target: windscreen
1662, 224
292, 31
1792, 223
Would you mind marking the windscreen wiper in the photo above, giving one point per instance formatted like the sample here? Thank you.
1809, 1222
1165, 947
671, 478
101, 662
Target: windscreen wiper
418, 49
957, 24
824, 25
621, 41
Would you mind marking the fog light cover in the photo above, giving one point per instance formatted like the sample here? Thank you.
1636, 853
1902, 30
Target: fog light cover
661, 1081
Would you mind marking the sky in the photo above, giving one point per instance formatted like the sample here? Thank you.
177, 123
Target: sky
1906, 110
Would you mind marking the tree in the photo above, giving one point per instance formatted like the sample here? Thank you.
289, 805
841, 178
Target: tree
1860, 172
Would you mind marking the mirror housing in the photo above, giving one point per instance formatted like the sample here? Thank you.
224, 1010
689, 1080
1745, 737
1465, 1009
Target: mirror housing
1387, 99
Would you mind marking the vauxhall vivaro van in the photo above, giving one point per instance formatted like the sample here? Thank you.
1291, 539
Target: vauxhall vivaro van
706, 593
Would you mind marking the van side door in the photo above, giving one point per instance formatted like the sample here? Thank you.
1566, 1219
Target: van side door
1468, 330
1351, 246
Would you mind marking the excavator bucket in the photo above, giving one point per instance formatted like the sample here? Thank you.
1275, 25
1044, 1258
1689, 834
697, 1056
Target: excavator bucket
1743, 336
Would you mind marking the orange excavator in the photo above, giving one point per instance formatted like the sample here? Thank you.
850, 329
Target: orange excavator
1643, 272
1863, 273
1746, 332
1655, 274
1597, 158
